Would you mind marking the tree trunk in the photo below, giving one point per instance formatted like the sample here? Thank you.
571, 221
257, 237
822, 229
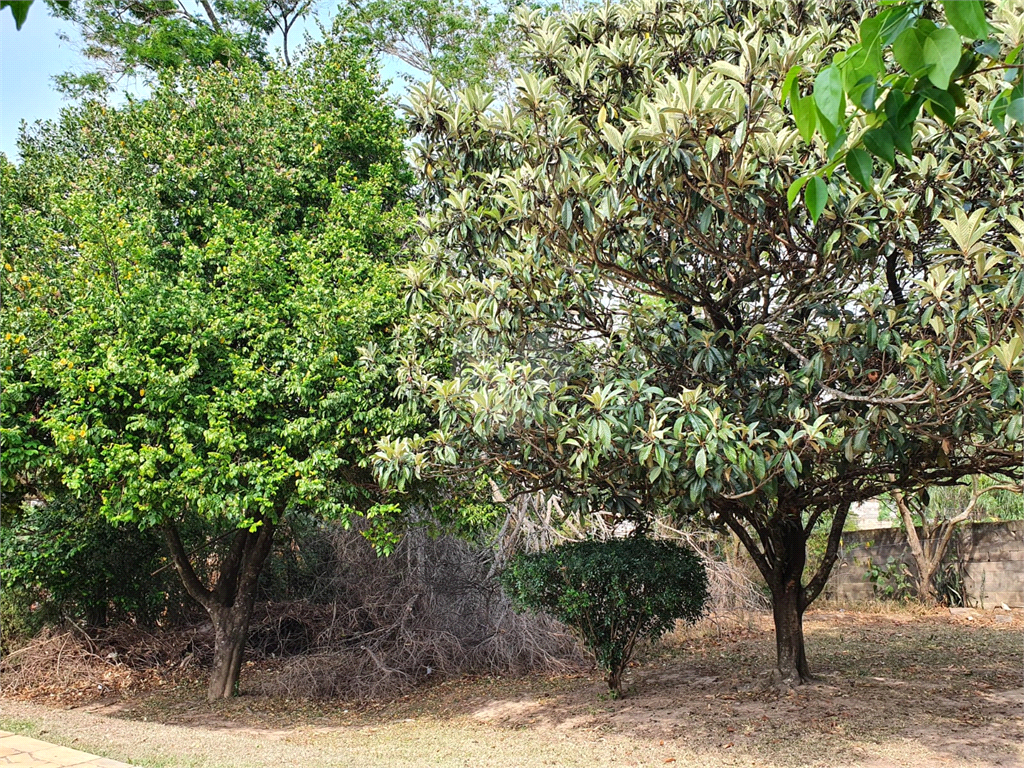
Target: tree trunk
930, 547
791, 659
231, 631
229, 603
789, 547
614, 679
926, 583
781, 558
927, 565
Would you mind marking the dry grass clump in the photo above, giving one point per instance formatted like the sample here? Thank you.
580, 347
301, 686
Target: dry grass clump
369, 628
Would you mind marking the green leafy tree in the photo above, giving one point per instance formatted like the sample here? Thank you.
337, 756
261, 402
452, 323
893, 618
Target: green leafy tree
143, 38
931, 517
458, 43
65, 555
904, 64
191, 279
636, 319
614, 594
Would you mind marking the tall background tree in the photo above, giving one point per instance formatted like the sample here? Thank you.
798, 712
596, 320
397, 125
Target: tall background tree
637, 320
190, 280
140, 39
458, 43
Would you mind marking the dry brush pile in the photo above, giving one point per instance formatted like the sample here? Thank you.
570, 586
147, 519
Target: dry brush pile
383, 625
363, 627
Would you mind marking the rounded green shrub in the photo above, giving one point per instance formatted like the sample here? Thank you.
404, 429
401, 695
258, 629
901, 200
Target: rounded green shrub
614, 594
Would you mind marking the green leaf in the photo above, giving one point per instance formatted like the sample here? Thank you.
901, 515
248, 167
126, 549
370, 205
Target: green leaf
880, 143
705, 218
860, 440
829, 131
871, 29
896, 21
1015, 107
567, 214
958, 95
907, 115
612, 136
967, 17
19, 10
816, 195
909, 52
791, 476
990, 48
588, 216
942, 51
902, 138
1015, 110
1000, 383
806, 115
836, 144
968, 63
701, 463
868, 97
997, 111
858, 163
790, 83
861, 63
760, 469
893, 104
828, 94
794, 189
942, 105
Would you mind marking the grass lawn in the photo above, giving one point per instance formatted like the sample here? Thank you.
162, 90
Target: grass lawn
895, 689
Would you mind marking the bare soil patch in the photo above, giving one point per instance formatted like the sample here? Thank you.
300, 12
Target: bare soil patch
895, 688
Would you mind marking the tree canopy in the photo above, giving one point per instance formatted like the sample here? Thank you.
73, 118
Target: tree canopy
188, 283
147, 37
930, 65
636, 318
458, 43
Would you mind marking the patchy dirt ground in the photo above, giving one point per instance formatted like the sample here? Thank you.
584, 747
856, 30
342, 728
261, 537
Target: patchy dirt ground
895, 689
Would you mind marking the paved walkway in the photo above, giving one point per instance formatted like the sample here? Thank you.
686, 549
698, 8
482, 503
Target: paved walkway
21, 750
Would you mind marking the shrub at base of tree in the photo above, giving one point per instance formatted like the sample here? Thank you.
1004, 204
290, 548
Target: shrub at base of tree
613, 594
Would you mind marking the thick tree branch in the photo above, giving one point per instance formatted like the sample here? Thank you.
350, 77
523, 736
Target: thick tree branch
184, 567
214, 21
748, 541
820, 578
228, 577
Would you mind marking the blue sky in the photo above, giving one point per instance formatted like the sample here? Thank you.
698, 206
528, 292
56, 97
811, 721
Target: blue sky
29, 57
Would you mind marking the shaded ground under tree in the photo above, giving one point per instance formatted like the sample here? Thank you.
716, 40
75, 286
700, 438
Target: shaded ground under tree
920, 688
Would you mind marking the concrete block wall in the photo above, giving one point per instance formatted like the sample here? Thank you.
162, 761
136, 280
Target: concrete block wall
993, 556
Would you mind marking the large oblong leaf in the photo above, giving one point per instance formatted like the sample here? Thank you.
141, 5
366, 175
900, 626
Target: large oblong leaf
794, 189
19, 10
805, 113
816, 195
909, 51
967, 17
858, 163
879, 142
942, 49
828, 94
